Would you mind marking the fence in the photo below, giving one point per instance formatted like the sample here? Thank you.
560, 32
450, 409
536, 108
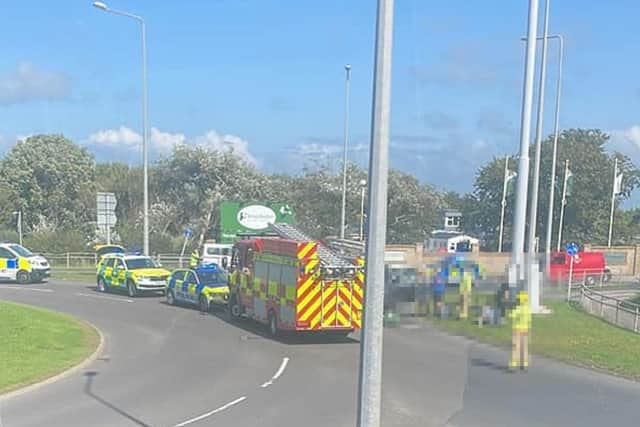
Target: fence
88, 260
612, 309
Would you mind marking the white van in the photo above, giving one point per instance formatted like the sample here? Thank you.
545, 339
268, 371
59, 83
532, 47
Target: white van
19, 264
217, 253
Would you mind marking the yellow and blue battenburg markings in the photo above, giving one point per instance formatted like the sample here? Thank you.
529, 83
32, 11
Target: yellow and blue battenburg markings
209, 282
15, 264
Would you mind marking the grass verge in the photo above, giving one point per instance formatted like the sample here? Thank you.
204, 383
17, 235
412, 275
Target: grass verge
568, 334
38, 343
74, 274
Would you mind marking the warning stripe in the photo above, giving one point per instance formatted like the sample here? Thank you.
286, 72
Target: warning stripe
307, 250
312, 300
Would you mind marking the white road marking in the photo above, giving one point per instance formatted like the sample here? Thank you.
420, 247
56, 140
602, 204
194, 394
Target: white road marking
26, 289
283, 366
101, 297
215, 411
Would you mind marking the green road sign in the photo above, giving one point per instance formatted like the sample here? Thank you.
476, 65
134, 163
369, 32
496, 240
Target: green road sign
238, 218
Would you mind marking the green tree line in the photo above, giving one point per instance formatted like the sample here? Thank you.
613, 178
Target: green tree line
54, 181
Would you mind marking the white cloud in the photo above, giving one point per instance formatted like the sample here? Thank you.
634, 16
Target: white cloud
227, 142
624, 137
164, 142
122, 136
26, 83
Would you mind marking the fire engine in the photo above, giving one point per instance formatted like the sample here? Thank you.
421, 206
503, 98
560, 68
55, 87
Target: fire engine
292, 283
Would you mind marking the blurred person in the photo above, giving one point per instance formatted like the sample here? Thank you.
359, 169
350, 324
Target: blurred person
194, 260
521, 325
466, 282
438, 289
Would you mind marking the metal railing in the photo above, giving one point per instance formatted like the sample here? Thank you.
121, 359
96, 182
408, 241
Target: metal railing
88, 260
612, 309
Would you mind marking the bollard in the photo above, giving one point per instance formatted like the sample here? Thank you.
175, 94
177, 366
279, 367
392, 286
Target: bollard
68, 260
601, 305
635, 322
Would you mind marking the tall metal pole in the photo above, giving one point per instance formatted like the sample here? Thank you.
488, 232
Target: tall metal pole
503, 203
370, 374
563, 203
347, 69
554, 158
145, 162
20, 227
533, 282
533, 211
613, 201
363, 186
145, 147
517, 251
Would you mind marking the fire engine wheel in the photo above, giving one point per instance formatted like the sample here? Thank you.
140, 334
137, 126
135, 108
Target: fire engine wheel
132, 290
22, 277
204, 304
171, 298
233, 308
273, 324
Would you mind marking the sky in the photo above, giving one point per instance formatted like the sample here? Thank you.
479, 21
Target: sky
266, 78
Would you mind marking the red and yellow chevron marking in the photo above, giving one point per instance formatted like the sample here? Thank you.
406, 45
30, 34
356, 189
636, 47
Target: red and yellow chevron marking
307, 250
308, 296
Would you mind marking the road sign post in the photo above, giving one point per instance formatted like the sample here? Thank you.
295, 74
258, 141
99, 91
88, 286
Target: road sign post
572, 251
106, 213
187, 235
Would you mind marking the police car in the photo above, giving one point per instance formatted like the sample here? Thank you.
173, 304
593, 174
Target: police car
133, 273
19, 264
205, 285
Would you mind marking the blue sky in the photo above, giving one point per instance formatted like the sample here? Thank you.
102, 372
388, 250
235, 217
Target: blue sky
267, 77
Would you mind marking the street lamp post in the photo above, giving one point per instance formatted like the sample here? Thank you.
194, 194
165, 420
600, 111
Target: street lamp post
370, 370
145, 161
347, 81
363, 187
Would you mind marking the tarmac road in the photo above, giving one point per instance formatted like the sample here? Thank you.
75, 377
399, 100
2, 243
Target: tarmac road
171, 366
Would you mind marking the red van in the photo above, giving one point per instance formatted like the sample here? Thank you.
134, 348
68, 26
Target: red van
589, 267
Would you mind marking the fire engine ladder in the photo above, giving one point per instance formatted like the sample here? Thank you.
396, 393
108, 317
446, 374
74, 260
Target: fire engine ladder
327, 257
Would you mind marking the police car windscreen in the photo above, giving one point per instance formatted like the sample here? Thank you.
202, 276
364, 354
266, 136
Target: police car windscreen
213, 277
138, 263
20, 250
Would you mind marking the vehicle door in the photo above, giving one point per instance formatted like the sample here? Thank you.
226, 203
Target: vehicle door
119, 273
8, 264
189, 287
106, 269
175, 283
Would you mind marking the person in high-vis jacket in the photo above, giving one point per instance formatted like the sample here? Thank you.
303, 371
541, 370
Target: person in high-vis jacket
521, 325
194, 260
466, 282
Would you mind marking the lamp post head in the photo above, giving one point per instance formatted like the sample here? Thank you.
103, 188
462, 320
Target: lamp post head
100, 5
363, 182
347, 67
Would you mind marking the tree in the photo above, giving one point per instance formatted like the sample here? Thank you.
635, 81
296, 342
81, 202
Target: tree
52, 180
587, 210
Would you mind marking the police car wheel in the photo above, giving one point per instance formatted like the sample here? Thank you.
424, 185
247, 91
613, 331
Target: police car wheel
204, 304
171, 299
131, 289
22, 277
273, 324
